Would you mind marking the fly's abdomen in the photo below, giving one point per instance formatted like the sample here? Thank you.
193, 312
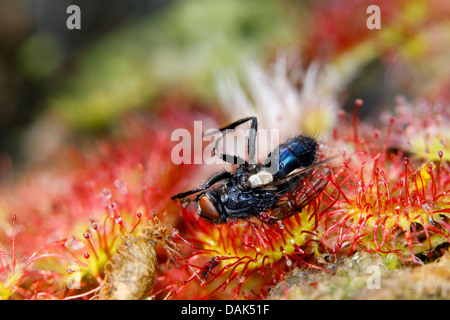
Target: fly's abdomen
298, 152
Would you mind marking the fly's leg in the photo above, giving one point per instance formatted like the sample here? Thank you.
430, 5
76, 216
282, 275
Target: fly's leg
214, 179
251, 141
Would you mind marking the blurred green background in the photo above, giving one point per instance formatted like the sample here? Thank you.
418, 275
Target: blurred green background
59, 85
127, 55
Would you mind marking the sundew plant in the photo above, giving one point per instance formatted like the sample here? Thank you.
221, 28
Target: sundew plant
96, 220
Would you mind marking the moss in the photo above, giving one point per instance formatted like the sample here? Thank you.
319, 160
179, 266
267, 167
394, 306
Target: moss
365, 276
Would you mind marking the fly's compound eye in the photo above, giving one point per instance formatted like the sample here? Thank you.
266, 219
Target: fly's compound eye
207, 208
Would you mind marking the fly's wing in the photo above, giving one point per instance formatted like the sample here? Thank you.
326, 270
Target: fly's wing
309, 188
298, 172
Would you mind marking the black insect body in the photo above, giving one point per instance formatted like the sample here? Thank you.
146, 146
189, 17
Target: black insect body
290, 169
209, 266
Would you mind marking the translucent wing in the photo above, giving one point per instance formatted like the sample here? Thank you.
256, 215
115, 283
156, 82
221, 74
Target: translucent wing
298, 172
309, 187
